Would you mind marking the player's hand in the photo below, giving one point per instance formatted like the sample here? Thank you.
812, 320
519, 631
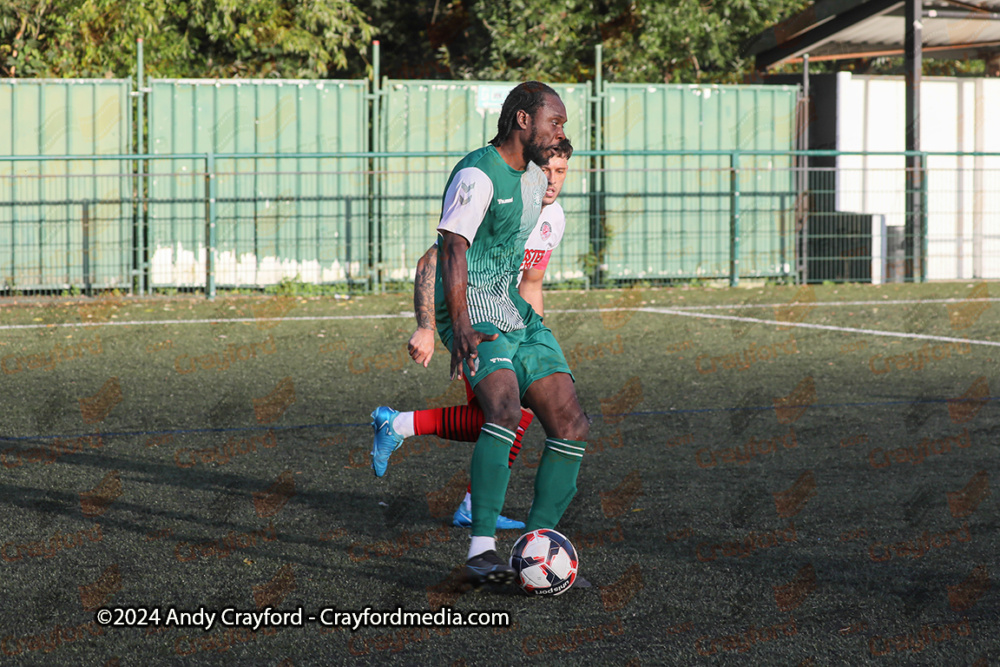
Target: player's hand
465, 346
421, 346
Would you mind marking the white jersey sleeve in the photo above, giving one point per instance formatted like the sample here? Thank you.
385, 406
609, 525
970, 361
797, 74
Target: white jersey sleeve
466, 201
544, 238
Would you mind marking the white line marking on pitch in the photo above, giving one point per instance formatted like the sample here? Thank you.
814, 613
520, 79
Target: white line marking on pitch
827, 327
674, 309
897, 302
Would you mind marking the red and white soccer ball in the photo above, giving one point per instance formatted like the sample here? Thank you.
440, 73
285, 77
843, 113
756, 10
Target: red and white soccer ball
544, 562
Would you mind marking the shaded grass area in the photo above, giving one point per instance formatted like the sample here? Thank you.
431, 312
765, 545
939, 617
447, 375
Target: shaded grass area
752, 493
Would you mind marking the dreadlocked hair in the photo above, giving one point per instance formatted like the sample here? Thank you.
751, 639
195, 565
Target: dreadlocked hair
527, 97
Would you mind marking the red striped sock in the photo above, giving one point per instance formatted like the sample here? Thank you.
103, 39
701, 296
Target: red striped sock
462, 423
428, 422
515, 449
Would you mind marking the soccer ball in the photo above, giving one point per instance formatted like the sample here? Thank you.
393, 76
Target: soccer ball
544, 562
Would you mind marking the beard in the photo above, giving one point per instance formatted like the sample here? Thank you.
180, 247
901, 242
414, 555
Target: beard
535, 152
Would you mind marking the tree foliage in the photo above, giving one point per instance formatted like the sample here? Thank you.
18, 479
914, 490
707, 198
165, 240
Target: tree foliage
554, 40
204, 38
644, 41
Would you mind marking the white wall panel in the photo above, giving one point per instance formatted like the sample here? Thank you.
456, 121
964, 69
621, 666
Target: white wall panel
963, 193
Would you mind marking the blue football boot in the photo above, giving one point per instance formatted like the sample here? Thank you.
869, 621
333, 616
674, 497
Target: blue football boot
386, 440
463, 519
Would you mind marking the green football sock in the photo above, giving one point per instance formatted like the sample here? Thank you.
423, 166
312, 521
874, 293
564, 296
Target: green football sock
555, 482
490, 474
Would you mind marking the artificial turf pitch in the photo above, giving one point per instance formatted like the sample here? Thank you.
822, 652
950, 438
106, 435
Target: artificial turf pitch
758, 489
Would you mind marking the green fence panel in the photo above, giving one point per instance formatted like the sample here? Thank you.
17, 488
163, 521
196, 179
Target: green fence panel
42, 202
277, 217
669, 216
461, 117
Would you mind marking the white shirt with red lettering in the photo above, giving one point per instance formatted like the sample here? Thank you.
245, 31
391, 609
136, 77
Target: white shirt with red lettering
544, 238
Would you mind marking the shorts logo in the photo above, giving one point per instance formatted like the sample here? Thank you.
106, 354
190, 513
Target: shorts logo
494, 360
545, 231
505, 201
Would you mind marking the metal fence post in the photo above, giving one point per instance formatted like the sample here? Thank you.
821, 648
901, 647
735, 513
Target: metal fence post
347, 240
139, 257
374, 182
210, 219
783, 251
87, 281
734, 219
598, 183
923, 216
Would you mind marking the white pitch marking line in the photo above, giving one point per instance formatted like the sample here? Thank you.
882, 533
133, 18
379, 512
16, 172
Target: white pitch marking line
897, 302
817, 304
805, 325
321, 318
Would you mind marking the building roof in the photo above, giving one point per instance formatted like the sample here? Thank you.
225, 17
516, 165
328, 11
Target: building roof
846, 29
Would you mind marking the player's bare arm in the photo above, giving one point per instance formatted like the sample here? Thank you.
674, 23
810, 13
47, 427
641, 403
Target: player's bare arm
549, 230
530, 289
421, 344
455, 276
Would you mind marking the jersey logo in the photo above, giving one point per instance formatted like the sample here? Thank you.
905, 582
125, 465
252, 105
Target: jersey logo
467, 189
505, 201
546, 231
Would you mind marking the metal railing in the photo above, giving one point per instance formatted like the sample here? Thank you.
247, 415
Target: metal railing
205, 222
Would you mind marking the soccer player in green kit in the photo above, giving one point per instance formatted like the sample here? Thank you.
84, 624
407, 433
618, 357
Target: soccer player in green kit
491, 204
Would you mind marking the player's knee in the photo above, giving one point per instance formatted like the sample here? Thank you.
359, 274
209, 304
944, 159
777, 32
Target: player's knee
579, 428
573, 426
506, 413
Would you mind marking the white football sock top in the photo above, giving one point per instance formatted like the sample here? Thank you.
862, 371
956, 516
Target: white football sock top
481, 543
403, 424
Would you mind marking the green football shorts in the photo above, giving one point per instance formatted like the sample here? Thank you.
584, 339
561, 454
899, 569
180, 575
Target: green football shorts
532, 353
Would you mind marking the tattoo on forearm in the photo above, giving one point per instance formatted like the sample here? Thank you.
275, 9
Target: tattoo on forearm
455, 276
423, 295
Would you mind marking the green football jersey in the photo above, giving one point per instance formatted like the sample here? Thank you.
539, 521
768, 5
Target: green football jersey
494, 207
